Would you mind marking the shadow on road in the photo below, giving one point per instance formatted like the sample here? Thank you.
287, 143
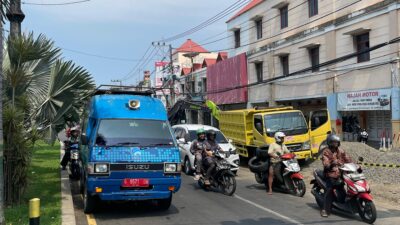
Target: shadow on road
263, 221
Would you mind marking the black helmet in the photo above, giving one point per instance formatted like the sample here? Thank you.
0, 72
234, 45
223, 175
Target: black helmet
331, 138
211, 133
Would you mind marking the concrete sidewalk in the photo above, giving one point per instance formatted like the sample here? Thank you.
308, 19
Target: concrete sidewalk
67, 206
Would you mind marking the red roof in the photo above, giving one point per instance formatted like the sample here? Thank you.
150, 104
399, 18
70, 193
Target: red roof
249, 6
191, 46
209, 62
222, 56
185, 71
196, 66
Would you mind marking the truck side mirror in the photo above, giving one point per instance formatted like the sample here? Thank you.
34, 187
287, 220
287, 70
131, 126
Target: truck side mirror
84, 139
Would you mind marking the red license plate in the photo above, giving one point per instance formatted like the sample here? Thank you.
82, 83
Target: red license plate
129, 182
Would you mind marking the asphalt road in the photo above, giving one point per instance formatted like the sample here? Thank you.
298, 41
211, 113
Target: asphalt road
249, 205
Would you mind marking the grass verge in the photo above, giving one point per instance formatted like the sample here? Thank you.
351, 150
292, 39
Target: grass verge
44, 183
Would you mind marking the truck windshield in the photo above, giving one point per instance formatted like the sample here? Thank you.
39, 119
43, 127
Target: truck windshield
130, 132
219, 138
292, 123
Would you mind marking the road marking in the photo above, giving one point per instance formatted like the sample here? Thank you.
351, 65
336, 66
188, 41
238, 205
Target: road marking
90, 219
268, 210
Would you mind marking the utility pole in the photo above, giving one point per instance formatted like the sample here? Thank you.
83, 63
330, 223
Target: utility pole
15, 16
171, 81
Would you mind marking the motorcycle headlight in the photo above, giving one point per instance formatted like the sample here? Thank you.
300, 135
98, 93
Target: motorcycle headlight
306, 145
359, 188
171, 168
101, 168
74, 155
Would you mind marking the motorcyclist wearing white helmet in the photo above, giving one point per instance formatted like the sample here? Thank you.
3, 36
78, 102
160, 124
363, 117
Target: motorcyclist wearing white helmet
275, 150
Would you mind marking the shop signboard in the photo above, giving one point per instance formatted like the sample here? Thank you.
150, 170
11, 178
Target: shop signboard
364, 100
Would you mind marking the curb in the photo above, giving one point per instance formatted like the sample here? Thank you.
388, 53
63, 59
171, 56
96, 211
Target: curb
67, 205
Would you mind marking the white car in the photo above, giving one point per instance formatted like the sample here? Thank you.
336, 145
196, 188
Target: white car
186, 133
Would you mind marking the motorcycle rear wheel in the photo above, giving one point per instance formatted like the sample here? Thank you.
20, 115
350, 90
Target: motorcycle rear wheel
228, 184
259, 178
367, 211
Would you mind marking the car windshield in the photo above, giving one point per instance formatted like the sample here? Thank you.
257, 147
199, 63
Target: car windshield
219, 138
131, 132
292, 123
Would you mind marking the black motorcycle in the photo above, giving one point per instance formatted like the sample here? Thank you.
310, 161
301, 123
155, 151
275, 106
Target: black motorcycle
222, 177
74, 168
362, 136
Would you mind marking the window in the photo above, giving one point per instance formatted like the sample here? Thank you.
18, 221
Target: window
318, 119
220, 138
132, 132
285, 64
258, 124
259, 28
204, 85
259, 71
362, 44
312, 8
284, 17
291, 123
237, 38
314, 57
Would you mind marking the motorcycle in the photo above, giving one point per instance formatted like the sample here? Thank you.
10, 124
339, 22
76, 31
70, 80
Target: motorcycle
287, 176
363, 136
353, 195
222, 177
74, 168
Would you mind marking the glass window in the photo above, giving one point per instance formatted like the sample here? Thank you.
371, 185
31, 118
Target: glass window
131, 132
259, 71
291, 123
258, 124
314, 57
285, 64
220, 138
362, 44
284, 17
259, 28
237, 38
318, 119
312, 8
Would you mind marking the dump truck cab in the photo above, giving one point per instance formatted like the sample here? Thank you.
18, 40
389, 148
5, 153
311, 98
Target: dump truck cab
253, 128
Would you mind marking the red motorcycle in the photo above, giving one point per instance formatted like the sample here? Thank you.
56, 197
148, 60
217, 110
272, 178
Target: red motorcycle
352, 195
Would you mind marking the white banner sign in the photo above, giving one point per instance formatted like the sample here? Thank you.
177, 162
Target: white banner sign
364, 100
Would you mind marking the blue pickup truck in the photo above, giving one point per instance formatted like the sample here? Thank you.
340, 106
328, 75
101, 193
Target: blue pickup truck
127, 149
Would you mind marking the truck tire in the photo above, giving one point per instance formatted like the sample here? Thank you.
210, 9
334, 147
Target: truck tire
89, 202
256, 165
164, 204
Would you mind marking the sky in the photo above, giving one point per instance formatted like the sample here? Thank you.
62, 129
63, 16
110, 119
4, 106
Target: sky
123, 29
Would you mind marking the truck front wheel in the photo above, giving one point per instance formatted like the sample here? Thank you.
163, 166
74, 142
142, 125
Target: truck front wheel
89, 202
164, 204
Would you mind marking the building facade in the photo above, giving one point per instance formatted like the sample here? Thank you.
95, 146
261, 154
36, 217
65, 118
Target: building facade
324, 54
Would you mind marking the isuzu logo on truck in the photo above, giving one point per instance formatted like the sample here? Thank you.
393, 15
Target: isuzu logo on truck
137, 167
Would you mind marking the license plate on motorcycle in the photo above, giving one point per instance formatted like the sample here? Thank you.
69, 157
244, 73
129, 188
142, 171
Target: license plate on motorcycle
129, 182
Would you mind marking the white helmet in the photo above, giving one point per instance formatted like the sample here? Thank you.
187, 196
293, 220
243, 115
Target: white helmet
279, 136
77, 128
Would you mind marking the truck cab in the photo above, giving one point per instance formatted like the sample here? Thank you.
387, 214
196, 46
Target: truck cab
128, 150
302, 137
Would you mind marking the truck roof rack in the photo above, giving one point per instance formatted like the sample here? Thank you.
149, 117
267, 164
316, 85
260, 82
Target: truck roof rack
117, 89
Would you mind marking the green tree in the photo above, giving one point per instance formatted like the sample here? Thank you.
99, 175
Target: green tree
40, 90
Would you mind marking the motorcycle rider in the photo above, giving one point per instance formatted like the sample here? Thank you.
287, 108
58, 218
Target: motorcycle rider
332, 158
197, 148
209, 161
275, 150
74, 135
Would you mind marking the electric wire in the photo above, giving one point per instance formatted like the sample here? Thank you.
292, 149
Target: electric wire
55, 4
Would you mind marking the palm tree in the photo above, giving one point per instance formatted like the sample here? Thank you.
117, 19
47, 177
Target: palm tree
39, 90
4, 4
